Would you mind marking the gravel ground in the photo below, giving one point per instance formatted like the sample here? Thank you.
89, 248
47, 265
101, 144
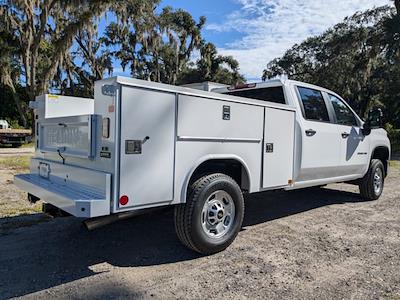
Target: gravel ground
315, 243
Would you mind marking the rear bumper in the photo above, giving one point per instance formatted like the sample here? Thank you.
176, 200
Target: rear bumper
78, 199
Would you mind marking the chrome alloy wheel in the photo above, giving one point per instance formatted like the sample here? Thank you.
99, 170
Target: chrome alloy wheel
378, 181
218, 214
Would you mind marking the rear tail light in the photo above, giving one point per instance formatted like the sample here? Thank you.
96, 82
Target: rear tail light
123, 200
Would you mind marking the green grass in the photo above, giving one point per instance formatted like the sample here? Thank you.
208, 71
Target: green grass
25, 209
394, 164
28, 145
15, 162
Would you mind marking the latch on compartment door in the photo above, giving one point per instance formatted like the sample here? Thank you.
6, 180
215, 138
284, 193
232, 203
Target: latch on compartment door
269, 147
135, 146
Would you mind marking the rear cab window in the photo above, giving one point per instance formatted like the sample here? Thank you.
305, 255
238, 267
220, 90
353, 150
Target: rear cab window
270, 94
313, 105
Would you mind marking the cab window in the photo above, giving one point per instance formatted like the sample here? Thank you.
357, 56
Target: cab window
344, 115
314, 107
271, 94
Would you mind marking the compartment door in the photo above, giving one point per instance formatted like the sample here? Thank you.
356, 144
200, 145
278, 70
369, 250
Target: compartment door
147, 146
278, 147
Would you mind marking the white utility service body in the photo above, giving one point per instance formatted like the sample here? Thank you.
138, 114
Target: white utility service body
139, 144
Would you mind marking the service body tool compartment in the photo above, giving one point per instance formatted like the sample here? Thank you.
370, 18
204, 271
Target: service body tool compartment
57, 106
147, 146
278, 147
214, 129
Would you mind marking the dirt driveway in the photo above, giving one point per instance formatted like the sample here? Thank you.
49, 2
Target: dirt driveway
316, 243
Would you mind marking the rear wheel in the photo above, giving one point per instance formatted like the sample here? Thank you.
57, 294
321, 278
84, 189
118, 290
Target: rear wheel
372, 183
212, 216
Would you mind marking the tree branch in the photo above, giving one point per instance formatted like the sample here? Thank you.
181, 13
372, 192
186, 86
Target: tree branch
65, 41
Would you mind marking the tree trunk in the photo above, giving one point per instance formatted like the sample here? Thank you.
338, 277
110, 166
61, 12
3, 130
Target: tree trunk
397, 4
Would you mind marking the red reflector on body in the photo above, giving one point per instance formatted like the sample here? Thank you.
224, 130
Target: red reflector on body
123, 200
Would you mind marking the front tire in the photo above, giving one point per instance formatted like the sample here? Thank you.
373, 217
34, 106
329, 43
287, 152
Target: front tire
212, 216
372, 183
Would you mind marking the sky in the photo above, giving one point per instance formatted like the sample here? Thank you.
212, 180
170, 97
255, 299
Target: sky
257, 31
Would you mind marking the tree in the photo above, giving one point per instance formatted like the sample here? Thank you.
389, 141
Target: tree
212, 67
10, 71
184, 36
358, 58
45, 31
155, 47
84, 65
55, 45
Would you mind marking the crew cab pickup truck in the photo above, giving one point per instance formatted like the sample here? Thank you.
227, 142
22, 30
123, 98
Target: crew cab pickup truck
140, 145
15, 137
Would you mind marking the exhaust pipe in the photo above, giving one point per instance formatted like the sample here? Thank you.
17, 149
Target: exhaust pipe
94, 223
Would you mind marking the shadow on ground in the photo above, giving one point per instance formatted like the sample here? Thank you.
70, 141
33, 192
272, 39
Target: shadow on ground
62, 250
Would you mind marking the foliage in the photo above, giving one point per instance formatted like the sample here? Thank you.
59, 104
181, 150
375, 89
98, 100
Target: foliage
16, 162
394, 136
8, 108
358, 58
55, 45
156, 46
160, 46
212, 67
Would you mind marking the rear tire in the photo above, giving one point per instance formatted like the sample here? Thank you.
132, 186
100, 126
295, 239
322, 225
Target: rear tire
212, 216
371, 185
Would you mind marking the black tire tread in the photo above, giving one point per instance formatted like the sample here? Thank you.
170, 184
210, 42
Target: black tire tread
184, 212
366, 185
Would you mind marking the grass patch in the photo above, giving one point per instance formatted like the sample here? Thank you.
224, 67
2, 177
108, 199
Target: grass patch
28, 145
394, 164
21, 209
15, 162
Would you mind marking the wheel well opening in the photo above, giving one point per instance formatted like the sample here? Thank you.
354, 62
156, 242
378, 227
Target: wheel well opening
382, 153
230, 167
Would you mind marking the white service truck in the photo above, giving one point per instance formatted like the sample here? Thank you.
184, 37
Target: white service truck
139, 145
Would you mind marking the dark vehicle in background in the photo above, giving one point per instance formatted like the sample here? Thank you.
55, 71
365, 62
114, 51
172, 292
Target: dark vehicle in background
13, 137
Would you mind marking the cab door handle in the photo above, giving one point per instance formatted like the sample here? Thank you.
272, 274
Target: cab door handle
345, 135
310, 132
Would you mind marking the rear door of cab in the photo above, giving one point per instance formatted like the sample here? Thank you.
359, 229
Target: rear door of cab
320, 144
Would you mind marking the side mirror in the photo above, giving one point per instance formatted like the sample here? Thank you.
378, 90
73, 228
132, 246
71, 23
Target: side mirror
374, 120
366, 129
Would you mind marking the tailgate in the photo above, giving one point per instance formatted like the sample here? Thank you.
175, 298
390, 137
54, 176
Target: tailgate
79, 191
